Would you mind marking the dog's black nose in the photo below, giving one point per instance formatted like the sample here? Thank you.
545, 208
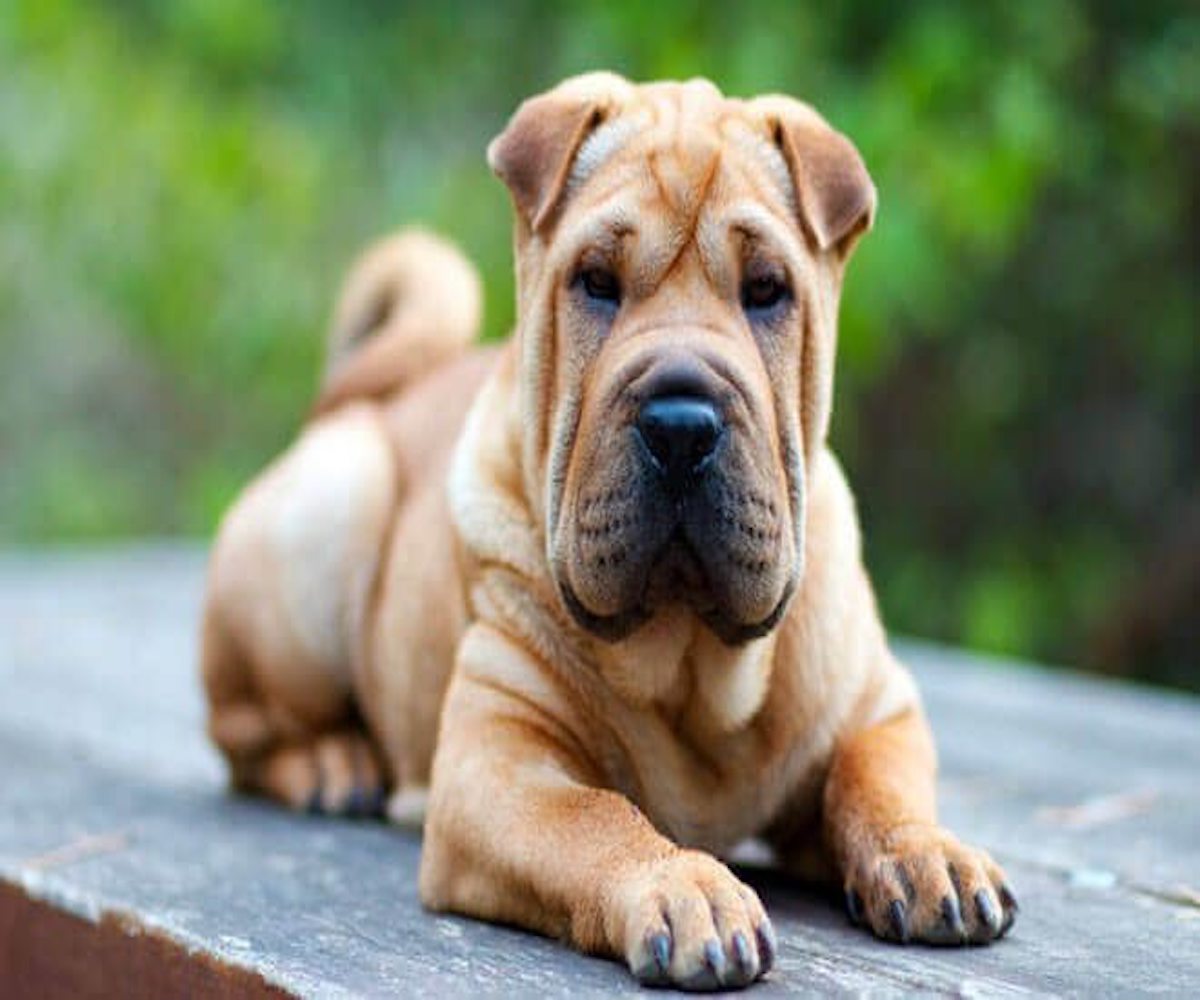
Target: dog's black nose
681, 433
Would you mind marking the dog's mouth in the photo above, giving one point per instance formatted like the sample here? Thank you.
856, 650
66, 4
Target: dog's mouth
678, 577
678, 572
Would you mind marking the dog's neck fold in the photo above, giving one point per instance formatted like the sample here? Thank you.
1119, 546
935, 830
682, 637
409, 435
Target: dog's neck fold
675, 665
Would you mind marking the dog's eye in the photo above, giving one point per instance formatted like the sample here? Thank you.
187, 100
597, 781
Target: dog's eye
761, 292
600, 284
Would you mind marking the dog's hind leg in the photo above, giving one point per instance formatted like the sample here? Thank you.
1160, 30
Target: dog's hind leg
293, 570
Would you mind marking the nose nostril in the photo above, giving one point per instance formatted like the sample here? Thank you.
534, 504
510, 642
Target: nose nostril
680, 432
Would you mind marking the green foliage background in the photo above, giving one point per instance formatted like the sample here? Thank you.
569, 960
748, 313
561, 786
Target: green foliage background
182, 184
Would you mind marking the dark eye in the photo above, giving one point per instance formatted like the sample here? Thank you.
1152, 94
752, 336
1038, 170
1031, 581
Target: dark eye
761, 292
600, 284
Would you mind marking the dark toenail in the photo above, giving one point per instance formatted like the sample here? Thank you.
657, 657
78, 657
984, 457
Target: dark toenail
987, 912
377, 803
741, 952
952, 915
1010, 918
1008, 898
714, 957
660, 948
768, 946
854, 906
899, 918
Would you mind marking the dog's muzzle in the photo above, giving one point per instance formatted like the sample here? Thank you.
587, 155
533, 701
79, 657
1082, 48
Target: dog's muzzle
678, 512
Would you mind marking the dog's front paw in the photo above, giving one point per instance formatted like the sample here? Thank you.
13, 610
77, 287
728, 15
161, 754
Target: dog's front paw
918, 883
688, 922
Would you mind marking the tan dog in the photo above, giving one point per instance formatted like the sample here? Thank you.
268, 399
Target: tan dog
599, 591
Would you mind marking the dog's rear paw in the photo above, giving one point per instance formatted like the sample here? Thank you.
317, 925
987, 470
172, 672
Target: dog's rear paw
923, 885
336, 774
691, 924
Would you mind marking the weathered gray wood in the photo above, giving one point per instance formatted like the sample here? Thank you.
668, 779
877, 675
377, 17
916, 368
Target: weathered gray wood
112, 802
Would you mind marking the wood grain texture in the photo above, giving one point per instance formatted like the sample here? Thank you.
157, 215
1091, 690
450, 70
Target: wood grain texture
49, 953
113, 809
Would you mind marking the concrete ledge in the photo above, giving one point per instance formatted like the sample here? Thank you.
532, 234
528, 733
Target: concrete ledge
126, 869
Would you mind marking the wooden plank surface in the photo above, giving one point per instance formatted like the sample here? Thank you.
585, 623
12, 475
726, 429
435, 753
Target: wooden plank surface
113, 810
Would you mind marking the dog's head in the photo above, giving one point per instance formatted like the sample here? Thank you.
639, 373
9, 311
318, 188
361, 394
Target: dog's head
679, 258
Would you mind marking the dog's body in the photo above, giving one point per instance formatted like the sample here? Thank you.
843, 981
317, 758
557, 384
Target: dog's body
599, 591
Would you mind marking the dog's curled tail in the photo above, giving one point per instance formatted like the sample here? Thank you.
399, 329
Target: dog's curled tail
410, 303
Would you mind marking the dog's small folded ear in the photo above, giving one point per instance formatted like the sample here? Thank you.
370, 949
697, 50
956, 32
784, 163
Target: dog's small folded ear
534, 153
836, 195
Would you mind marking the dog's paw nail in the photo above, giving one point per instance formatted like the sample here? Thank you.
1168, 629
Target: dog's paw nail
1008, 900
768, 946
952, 916
377, 803
1010, 918
711, 974
649, 974
714, 958
660, 949
987, 912
854, 906
313, 804
898, 916
356, 803
742, 954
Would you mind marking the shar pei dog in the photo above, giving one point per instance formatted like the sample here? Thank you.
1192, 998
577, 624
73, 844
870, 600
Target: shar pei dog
592, 602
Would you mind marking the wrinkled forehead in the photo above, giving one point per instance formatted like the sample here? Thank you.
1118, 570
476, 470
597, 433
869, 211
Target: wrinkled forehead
686, 140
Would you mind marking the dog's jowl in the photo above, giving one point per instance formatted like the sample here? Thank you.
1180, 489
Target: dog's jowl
598, 592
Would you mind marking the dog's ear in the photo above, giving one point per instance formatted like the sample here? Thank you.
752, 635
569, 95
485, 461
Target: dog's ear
835, 194
534, 153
